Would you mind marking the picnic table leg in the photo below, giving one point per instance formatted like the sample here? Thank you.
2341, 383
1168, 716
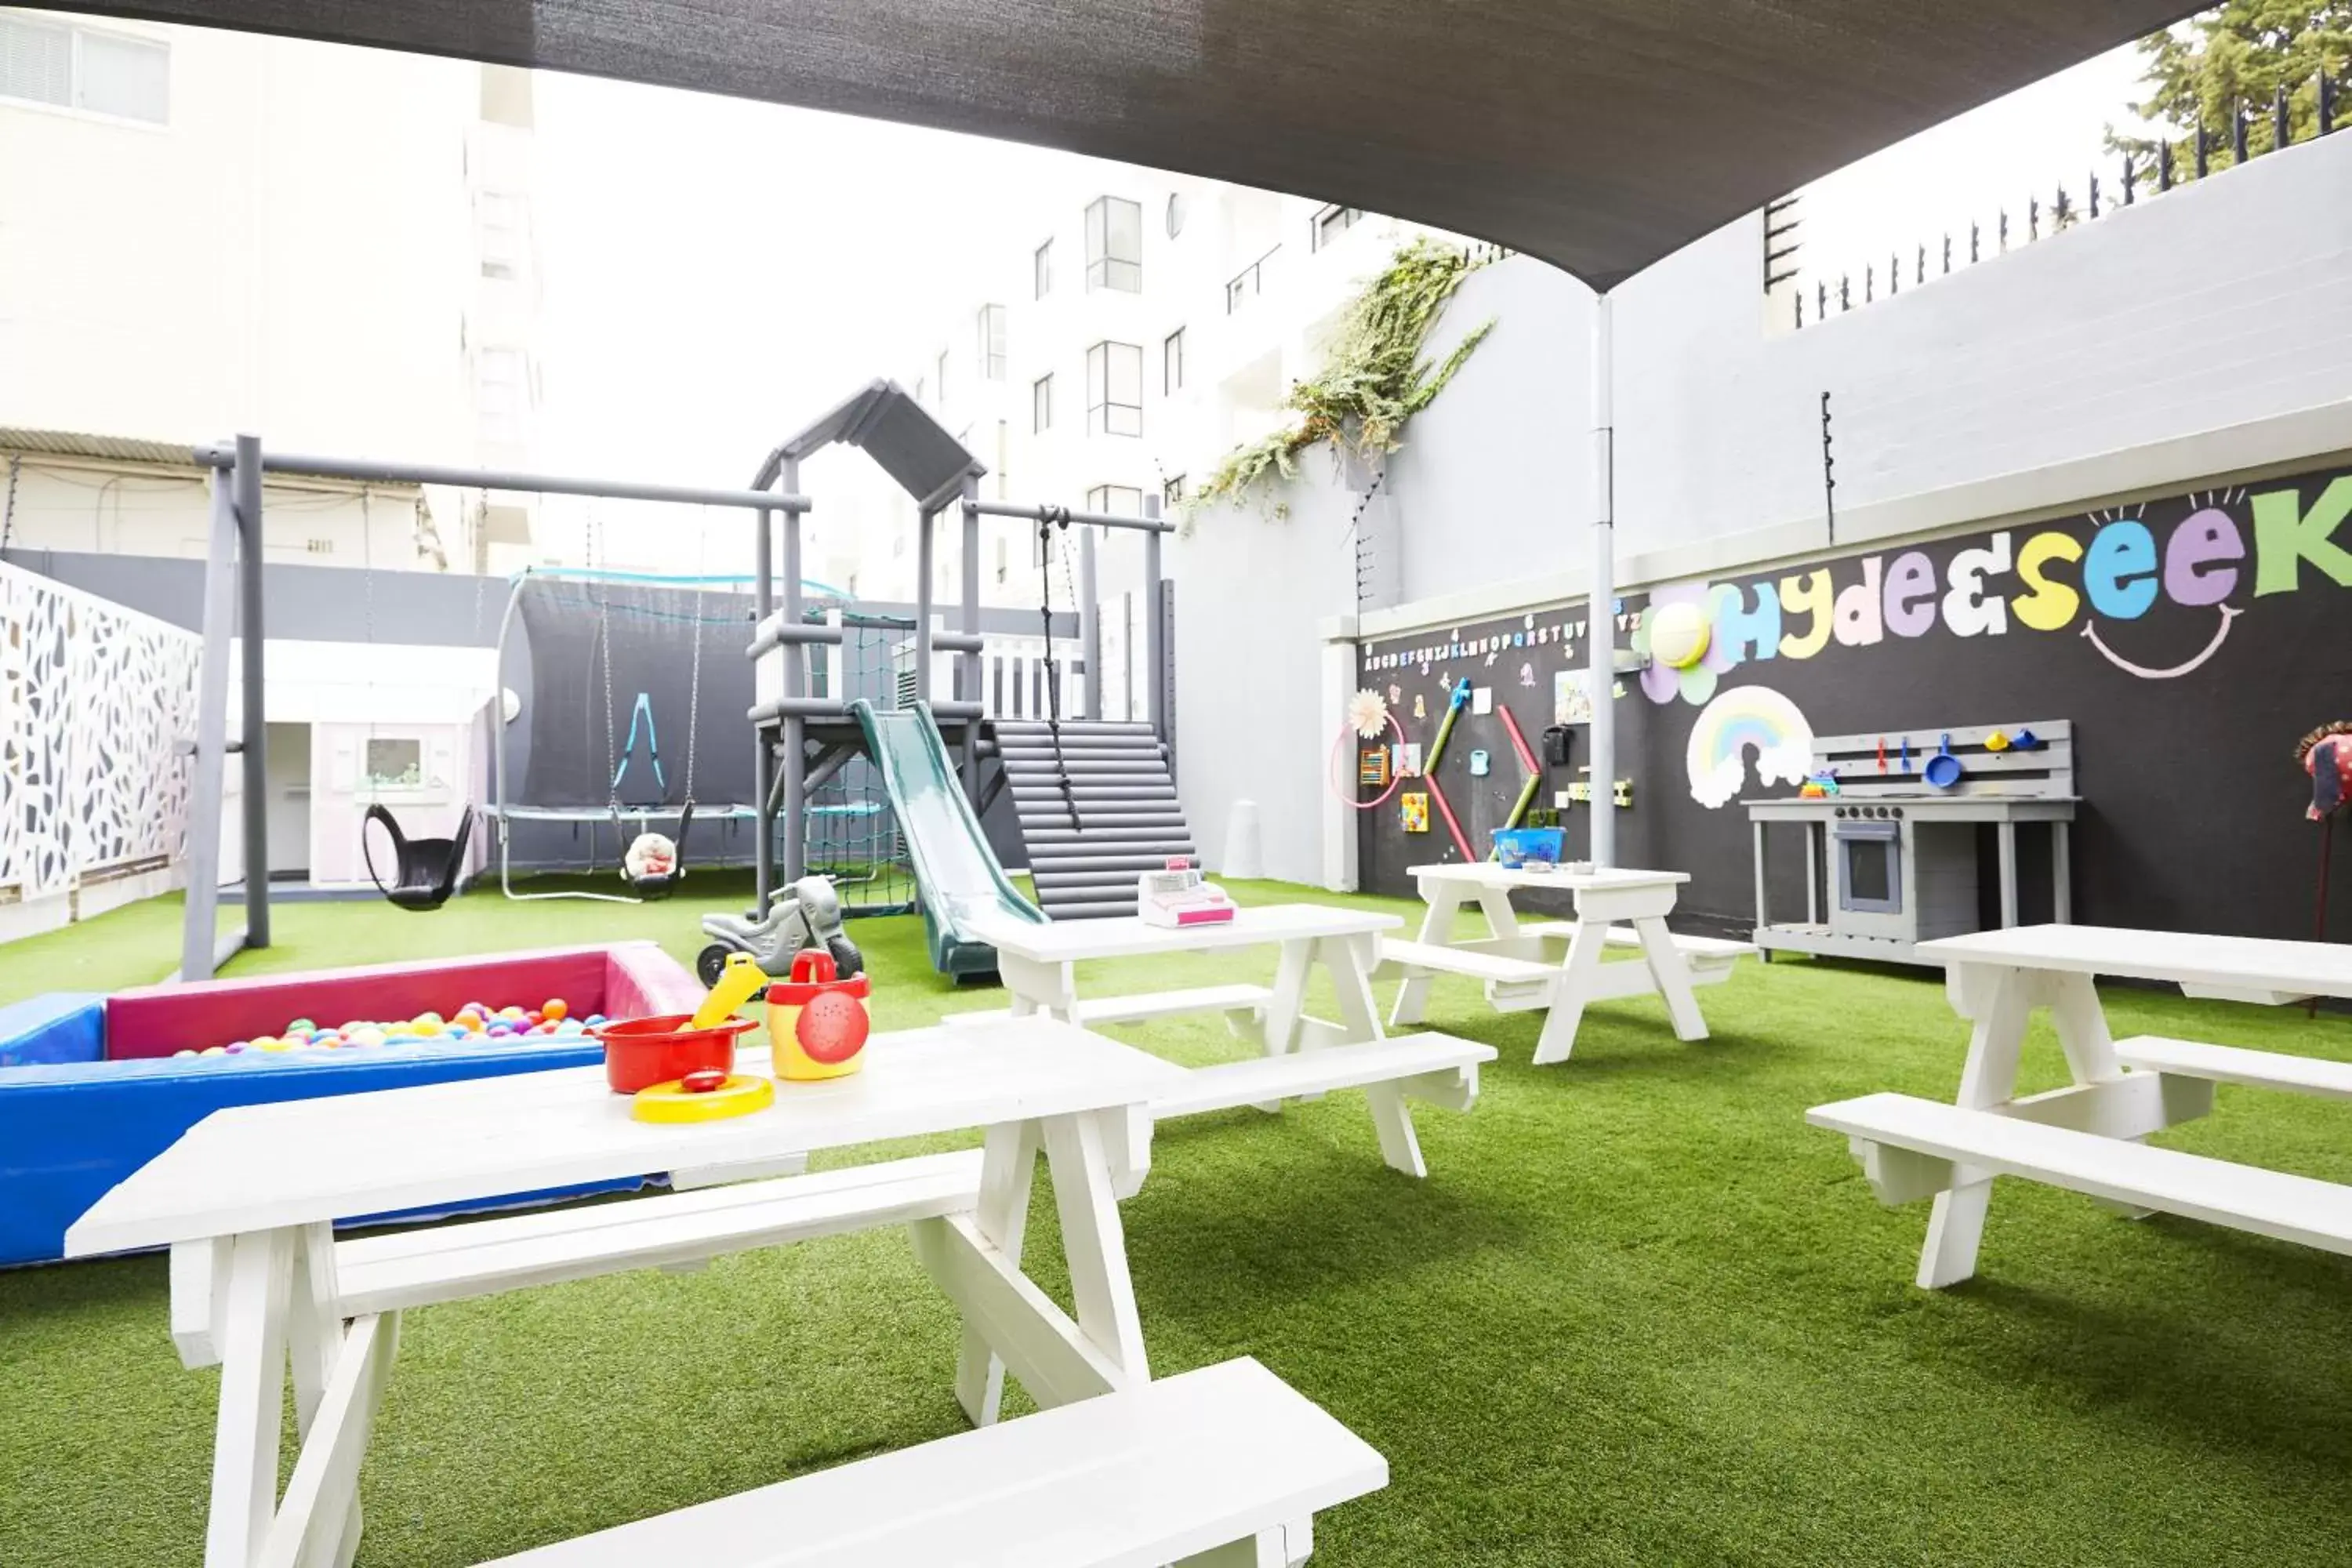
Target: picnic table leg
315, 1335
1281, 1028
1047, 988
1359, 1017
251, 1335
1095, 1243
1671, 970
1572, 987
1436, 926
2001, 1000
1502, 921
1007, 1167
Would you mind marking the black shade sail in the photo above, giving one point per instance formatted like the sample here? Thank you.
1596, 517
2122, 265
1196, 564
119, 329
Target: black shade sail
1597, 134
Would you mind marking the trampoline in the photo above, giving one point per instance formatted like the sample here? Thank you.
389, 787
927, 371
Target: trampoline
613, 661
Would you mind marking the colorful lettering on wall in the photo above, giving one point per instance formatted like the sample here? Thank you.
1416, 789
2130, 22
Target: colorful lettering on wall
2114, 571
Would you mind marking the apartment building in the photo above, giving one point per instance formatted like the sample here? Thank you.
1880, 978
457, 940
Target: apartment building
1151, 322
204, 231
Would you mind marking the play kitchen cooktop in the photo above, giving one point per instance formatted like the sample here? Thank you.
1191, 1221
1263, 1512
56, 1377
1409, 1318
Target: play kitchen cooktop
1892, 842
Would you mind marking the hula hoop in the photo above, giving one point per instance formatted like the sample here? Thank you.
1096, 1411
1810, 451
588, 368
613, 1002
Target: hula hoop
1341, 745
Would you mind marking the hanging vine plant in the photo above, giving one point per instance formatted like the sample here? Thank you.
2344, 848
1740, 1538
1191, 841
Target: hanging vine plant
1373, 378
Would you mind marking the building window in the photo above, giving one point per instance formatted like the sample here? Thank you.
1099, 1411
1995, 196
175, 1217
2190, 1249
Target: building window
1331, 223
1115, 500
992, 342
395, 762
501, 395
1042, 268
1172, 364
1114, 245
1041, 405
1115, 389
87, 68
1171, 494
500, 237
1175, 214
1247, 284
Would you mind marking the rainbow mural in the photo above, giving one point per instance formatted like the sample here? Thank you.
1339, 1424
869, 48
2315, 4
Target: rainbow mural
1738, 718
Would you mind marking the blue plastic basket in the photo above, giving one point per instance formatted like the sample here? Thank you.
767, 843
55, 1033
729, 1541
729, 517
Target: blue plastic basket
1517, 847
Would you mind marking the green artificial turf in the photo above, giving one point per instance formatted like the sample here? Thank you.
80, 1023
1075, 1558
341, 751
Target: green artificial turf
1639, 1312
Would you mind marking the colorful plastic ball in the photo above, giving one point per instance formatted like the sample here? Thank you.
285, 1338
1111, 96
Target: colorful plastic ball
1678, 635
594, 1019
186, 1053
553, 1007
366, 1035
213, 1051
276, 1046
429, 1018
300, 1026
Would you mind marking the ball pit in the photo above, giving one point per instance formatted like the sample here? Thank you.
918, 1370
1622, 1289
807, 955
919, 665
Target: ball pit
470, 1025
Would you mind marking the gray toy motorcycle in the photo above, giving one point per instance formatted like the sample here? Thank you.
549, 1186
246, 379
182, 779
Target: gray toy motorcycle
804, 914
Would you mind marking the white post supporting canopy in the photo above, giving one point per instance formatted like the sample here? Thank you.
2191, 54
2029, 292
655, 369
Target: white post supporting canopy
1601, 624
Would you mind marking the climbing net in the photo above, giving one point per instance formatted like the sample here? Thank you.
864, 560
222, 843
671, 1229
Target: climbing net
848, 831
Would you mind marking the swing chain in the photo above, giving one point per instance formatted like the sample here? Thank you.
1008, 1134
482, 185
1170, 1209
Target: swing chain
604, 641
1053, 517
694, 683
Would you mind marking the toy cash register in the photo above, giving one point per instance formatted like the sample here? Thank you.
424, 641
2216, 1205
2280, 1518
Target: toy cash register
1180, 896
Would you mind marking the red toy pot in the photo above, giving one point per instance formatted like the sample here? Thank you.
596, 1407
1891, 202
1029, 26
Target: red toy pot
642, 1052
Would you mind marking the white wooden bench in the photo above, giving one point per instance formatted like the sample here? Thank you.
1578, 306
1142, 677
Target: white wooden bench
1244, 1005
1557, 966
2233, 1064
1221, 1468
398, 1269
2083, 1136
1435, 1068
1710, 957
1913, 1149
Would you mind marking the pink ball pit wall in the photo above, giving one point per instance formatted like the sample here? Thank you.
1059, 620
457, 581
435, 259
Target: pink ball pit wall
69, 1131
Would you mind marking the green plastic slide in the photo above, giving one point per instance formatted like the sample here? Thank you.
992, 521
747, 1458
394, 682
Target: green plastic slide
955, 870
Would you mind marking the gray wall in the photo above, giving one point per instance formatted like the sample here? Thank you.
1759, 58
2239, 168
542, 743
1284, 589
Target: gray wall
2194, 335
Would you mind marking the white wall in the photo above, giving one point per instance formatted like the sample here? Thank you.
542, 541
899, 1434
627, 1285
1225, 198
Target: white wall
2194, 335
2209, 307
278, 256
65, 504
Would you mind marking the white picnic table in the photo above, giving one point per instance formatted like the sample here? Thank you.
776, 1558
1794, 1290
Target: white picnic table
247, 1199
2086, 1136
1557, 965
1040, 964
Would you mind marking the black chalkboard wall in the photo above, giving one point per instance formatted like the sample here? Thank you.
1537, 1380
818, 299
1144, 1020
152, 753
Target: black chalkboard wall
2191, 641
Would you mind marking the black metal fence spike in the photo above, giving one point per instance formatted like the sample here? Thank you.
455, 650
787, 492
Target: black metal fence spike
2131, 178
1800, 296
2237, 134
2095, 195
2033, 219
1948, 253
1923, 264
1976, 248
2163, 166
1822, 303
2280, 132
2004, 230
1845, 291
1869, 284
2327, 102
2204, 150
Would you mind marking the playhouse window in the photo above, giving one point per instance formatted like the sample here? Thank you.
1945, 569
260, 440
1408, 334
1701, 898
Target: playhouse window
395, 762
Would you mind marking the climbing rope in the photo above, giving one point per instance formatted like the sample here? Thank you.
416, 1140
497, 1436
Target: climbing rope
1053, 517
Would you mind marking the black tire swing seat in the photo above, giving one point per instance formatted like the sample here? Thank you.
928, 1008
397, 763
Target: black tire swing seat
426, 869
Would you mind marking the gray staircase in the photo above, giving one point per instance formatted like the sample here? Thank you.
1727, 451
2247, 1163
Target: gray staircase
1095, 812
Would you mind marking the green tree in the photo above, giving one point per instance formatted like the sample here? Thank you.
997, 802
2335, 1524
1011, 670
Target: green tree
2235, 59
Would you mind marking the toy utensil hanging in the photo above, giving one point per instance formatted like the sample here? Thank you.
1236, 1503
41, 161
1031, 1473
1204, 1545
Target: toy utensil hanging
1882, 754
737, 982
1943, 770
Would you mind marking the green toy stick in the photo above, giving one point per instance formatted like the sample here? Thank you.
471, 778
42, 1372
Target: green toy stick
1458, 701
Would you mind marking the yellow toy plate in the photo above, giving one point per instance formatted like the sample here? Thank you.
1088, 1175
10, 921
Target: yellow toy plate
740, 1095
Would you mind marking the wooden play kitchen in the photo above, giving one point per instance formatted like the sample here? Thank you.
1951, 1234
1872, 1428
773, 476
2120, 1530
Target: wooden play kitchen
1890, 824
